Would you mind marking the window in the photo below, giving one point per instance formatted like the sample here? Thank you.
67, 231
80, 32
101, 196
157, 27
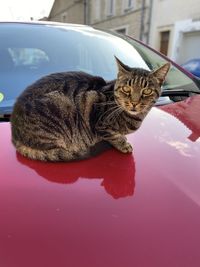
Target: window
110, 7
128, 4
121, 31
164, 42
64, 17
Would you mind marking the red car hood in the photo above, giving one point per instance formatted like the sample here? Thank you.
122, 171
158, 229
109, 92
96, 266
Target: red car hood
113, 210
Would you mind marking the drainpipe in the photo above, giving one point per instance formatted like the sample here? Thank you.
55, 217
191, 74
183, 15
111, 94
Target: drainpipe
85, 6
142, 20
149, 20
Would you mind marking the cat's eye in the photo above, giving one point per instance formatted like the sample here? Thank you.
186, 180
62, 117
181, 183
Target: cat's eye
126, 90
147, 91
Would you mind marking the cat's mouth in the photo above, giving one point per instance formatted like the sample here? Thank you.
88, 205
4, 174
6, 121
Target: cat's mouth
134, 112
130, 109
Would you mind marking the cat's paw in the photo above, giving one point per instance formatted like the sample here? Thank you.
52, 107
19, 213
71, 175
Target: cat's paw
126, 148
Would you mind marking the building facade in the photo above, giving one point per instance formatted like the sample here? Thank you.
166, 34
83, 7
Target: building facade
68, 11
130, 17
175, 29
126, 17
171, 27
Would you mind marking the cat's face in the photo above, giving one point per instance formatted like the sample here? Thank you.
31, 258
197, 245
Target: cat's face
136, 90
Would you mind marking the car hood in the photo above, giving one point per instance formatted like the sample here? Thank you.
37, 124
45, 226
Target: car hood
141, 209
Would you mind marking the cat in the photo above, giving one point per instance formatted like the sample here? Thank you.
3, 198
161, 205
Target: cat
64, 116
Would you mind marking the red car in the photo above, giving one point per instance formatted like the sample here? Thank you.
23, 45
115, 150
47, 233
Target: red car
113, 210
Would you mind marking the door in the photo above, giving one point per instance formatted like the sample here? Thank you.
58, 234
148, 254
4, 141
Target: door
190, 47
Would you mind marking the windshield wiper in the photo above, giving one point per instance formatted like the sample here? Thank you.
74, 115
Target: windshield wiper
174, 95
5, 117
178, 92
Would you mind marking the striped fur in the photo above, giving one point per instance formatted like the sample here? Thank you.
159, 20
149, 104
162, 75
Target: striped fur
64, 116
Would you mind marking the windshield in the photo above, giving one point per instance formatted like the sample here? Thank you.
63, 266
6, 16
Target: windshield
30, 51
175, 79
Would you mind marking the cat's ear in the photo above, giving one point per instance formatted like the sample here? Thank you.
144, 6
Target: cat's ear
161, 73
122, 68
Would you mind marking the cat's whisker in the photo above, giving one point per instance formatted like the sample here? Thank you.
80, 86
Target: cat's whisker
105, 103
104, 114
101, 118
114, 114
118, 113
109, 110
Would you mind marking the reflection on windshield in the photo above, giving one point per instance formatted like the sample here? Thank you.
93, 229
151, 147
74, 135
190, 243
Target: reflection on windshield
175, 78
116, 170
187, 112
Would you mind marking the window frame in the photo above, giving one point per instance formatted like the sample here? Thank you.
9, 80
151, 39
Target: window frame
128, 5
110, 8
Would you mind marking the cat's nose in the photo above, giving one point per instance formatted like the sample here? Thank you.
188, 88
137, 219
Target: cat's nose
133, 107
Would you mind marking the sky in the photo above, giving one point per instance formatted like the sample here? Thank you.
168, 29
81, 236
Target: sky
24, 9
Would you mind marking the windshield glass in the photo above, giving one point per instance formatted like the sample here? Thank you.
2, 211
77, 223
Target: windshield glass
176, 79
30, 51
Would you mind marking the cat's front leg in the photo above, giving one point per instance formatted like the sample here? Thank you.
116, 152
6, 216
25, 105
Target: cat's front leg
119, 142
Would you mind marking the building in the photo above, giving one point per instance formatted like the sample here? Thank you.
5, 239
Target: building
130, 17
69, 11
171, 27
175, 29
127, 17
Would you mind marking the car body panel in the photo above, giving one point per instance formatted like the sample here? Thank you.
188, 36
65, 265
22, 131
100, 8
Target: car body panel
141, 209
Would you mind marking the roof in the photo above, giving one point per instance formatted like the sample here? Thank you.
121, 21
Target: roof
42, 22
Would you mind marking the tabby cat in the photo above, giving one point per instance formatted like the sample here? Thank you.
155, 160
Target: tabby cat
63, 116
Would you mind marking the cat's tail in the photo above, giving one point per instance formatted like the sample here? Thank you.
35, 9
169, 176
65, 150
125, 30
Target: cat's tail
56, 154
61, 154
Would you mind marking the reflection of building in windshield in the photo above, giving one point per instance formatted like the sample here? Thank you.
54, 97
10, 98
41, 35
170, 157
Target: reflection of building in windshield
188, 112
28, 56
176, 79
